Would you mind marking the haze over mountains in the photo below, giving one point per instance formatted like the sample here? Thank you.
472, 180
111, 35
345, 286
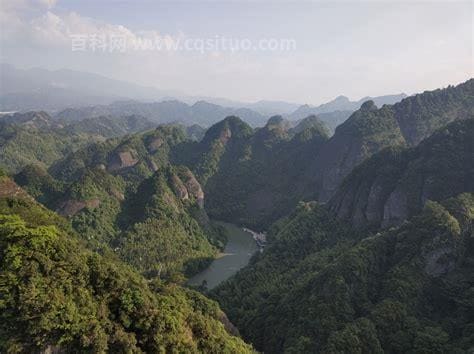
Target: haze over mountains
230, 177
128, 203
73, 95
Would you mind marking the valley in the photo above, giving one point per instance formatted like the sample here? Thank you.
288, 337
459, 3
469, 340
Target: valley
367, 242
236, 177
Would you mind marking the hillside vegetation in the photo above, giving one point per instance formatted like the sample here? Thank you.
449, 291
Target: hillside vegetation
59, 296
395, 183
371, 129
321, 287
255, 177
123, 194
36, 138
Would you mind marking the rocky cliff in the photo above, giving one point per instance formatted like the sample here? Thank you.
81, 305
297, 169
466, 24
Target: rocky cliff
370, 129
394, 184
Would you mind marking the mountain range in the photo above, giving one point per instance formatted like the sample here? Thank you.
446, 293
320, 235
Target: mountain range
369, 230
343, 104
74, 95
201, 113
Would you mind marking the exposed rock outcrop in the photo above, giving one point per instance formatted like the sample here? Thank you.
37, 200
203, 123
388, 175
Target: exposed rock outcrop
123, 159
226, 134
179, 187
369, 130
186, 186
194, 188
8, 188
71, 207
155, 144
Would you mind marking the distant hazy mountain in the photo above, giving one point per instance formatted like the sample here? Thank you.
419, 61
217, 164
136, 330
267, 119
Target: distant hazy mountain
342, 103
338, 110
54, 90
58, 89
201, 112
265, 107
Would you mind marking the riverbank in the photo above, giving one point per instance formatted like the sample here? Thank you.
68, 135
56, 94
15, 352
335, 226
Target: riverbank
240, 247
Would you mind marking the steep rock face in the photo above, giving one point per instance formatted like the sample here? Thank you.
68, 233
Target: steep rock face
369, 130
420, 115
155, 144
123, 159
366, 132
186, 186
395, 209
225, 135
395, 184
193, 187
71, 207
179, 187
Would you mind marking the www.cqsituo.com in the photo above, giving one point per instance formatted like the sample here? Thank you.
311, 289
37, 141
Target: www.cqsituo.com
114, 43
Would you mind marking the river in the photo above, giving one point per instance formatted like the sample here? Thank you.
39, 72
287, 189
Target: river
239, 249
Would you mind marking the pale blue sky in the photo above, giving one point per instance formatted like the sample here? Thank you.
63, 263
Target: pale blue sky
355, 48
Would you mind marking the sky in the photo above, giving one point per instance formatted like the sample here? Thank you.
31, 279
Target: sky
248, 50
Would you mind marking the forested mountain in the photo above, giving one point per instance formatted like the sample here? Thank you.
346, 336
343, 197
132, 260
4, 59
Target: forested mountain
35, 137
110, 126
386, 265
321, 287
370, 129
255, 177
124, 194
395, 183
57, 296
136, 155
324, 285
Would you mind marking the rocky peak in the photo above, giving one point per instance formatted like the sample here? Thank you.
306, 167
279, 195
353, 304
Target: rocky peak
275, 120
231, 126
368, 106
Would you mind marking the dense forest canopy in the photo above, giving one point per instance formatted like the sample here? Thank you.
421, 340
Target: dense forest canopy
369, 243
59, 296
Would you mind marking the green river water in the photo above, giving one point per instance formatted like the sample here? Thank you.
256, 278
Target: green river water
238, 250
